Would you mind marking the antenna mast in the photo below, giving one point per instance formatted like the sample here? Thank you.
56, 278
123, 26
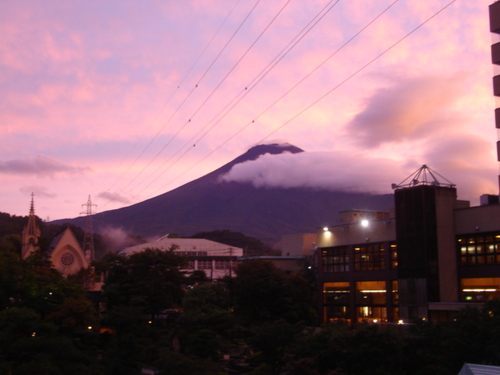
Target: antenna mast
88, 238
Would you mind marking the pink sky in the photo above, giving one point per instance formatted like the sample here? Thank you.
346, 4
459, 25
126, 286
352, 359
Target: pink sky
125, 100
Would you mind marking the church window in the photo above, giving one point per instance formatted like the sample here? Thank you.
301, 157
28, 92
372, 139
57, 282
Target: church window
67, 259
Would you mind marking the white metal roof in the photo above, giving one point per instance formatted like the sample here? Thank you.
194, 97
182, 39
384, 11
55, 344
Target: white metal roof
473, 369
212, 248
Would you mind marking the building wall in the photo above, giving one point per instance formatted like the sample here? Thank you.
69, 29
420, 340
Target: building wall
375, 231
446, 199
477, 219
298, 245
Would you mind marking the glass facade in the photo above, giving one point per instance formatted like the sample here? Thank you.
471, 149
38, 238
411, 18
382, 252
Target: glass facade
365, 257
335, 259
479, 249
371, 301
480, 289
336, 297
369, 257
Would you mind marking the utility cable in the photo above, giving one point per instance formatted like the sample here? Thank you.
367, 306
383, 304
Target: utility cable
321, 97
210, 95
254, 82
184, 100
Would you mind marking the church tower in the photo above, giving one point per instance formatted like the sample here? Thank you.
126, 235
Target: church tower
31, 232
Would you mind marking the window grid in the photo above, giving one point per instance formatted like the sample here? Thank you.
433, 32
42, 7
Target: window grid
221, 264
335, 260
479, 249
369, 257
204, 264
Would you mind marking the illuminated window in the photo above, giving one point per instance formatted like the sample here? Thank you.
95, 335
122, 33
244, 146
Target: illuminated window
371, 293
371, 314
371, 298
336, 293
395, 292
335, 259
480, 289
369, 257
336, 314
394, 255
479, 249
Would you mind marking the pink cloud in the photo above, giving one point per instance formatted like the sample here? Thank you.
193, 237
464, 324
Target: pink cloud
113, 197
409, 108
39, 191
39, 166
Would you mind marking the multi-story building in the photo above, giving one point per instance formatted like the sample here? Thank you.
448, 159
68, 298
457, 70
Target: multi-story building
494, 11
430, 257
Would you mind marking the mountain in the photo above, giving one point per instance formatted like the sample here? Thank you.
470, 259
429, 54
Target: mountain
207, 204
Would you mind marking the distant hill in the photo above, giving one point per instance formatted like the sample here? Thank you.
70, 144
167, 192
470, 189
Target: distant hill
206, 204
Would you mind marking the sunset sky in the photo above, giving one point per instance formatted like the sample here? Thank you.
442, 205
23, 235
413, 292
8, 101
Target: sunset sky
124, 100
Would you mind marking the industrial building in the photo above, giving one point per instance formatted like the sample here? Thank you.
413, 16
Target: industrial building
215, 259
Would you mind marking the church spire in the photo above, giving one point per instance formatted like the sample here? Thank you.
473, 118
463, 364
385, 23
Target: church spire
31, 232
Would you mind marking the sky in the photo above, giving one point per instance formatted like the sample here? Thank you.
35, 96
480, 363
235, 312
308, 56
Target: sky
120, 101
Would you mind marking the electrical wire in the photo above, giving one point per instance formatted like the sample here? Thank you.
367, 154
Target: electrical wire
188, 72
322, 96
252, 84
185, 99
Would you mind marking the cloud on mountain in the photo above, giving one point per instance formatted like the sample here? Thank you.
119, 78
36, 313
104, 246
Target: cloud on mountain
318, 170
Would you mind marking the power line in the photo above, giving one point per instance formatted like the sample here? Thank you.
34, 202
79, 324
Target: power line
321, 97
210, 95
185, 98
358, 71
319, 16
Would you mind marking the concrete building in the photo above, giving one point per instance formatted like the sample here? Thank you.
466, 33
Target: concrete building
494, 12
215, 259
430, 257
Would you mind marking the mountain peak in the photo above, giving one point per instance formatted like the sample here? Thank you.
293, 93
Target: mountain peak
270, 148
255, 152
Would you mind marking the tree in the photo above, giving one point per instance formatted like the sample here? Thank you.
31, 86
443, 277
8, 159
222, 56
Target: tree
44, 319
150, 280
265, 293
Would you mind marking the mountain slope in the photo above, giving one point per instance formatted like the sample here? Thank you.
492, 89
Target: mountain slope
207, 204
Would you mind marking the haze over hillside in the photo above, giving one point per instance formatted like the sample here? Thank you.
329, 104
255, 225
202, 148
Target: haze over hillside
228, 198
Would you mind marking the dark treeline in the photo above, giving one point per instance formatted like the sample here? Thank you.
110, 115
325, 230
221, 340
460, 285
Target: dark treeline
261, 321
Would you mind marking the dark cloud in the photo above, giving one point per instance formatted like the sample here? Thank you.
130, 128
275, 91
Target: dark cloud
113, 197
407, 109
38, 166
39, 191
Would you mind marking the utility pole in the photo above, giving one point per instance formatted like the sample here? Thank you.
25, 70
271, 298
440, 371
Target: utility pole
88, 238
